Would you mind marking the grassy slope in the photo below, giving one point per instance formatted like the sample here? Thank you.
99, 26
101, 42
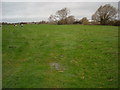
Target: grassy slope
87, 55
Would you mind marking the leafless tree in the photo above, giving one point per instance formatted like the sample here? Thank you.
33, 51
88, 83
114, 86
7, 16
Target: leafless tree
52, 19
104, 14
62, 14
61, 17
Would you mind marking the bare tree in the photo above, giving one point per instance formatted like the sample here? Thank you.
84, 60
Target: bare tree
52, 19
104, 14
62, 14
60, 17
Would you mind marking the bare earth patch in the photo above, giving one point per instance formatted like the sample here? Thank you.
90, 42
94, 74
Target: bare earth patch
56, 66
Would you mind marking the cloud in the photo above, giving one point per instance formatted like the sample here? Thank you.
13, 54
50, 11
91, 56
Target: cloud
60, 0
37, 11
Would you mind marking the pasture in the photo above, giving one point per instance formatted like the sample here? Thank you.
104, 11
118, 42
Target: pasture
60, 56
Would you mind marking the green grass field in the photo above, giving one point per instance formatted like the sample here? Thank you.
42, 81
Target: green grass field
60, 56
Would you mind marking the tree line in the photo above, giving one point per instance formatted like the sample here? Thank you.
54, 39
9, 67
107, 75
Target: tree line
104, 15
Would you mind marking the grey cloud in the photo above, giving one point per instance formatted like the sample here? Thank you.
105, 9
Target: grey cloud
37, 11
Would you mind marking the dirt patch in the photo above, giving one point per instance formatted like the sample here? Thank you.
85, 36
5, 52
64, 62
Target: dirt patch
56, 66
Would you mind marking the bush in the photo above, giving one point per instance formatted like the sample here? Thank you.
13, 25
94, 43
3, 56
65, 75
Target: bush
117, 23
61, 22
77, 22
114, 23
84, 21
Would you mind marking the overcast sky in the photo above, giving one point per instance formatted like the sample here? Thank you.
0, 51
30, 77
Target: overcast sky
37, 11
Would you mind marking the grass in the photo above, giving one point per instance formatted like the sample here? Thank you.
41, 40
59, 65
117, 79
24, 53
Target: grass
60, 56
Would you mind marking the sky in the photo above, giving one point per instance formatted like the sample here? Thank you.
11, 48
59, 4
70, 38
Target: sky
37, 11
